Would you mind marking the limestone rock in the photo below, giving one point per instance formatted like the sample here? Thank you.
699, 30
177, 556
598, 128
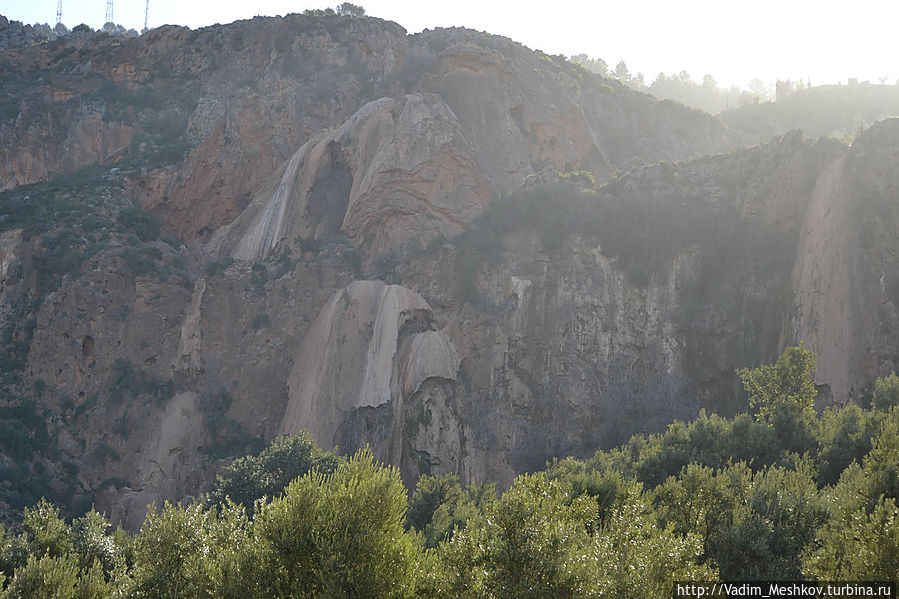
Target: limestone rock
189, 361
397, 172
170, 467
349, 359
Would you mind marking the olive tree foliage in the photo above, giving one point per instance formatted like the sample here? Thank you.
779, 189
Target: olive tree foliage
886, 392
752, 525
439, 506
187, 552
48, 576
860, 539
541, 540
784, 497
786, 382
337, 535
845, 436
533, 543
353, 10
51, 558
639, 556
864, 546
267, 474
328, 535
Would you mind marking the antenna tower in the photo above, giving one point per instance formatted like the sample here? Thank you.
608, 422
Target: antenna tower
146, 13
59, 12
108, 12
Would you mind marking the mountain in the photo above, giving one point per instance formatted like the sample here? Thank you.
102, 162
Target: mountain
467, 254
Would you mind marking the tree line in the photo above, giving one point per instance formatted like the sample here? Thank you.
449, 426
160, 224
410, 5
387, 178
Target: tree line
706, 95
781, 493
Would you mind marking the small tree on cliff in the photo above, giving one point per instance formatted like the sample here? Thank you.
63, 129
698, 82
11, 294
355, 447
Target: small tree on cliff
352, 10
886, 392
788, 381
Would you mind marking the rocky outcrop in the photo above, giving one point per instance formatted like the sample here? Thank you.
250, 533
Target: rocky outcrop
189, 361
171, 465
398, 172
822, 281
527, 114
14, 34
215, 111
371, 349
490, 352
10, 259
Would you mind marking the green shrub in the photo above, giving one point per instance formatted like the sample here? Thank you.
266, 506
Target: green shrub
260, 321
886, 392
9, 109
217, 267
336, 535
46, 576
266, 475
440, 506
864, 546
141, 261
130, 381
143, 224
788, 381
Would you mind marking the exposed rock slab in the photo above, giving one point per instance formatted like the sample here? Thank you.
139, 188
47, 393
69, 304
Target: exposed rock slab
363, 352
396, 172
822, 281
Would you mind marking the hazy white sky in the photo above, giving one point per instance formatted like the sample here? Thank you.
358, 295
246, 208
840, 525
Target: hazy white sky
734, 41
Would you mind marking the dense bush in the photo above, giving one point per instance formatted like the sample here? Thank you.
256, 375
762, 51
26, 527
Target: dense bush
266, 475
713, 499
143, 224
128, 381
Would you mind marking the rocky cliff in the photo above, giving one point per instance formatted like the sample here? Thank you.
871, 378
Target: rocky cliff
471, 256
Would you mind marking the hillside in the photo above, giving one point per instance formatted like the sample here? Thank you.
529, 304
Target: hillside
471, 256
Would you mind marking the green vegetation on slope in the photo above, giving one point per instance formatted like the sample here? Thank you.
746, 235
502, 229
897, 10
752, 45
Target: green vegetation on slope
782, 495
54, 231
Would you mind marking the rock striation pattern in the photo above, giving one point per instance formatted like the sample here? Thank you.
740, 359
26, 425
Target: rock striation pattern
397, 172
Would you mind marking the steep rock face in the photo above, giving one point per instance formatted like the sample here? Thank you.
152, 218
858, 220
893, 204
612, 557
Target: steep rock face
870, 177
584, 317
558, 354
519, 121
151, 383
844, 278
576, 343
10, 262
397, 172
169, 468
367, 355
189, 359
823, 283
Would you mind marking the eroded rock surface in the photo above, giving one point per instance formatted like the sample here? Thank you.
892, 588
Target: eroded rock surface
371, 349
397, 172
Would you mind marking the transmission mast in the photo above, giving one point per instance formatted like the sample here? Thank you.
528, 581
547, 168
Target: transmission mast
108, 12
146, 14
59, 12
